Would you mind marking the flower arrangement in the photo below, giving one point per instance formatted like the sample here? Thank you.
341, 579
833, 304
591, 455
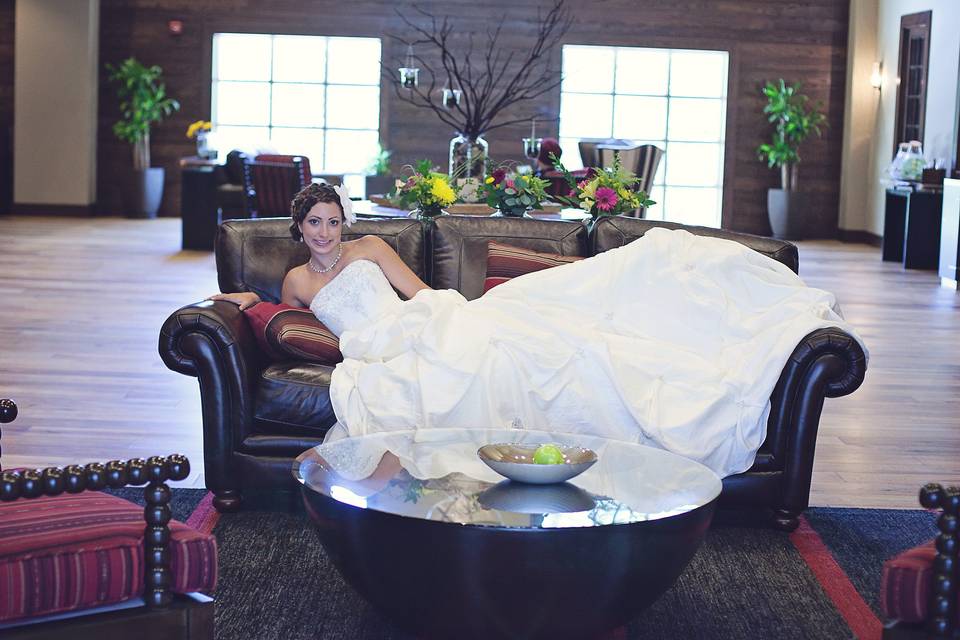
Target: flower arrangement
513, 194
606, 192
426, 189
198, 126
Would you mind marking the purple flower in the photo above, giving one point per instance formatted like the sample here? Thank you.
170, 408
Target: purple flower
499, 175
606, 198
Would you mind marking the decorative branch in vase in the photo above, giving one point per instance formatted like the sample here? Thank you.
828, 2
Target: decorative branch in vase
485, 88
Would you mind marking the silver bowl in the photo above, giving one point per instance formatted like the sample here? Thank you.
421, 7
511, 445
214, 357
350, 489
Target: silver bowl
520, 497
515, 461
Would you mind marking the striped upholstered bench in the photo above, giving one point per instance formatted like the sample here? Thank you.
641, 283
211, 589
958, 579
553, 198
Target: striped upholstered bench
918, 588
75, 562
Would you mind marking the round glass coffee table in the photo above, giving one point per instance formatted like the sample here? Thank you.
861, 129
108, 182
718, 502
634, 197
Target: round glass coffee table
446, 548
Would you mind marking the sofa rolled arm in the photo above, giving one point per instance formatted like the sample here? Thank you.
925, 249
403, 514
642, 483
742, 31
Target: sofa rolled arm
222, 323
833, 341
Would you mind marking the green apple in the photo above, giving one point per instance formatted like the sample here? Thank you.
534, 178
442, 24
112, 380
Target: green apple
548, 454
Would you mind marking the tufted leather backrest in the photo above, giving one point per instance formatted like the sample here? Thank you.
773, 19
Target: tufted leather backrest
613, 232
459, 246
255, 255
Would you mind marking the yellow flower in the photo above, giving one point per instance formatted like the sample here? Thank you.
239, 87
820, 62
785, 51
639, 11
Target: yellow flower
489, 180
591, 188
586, 205
199, 125
442, 191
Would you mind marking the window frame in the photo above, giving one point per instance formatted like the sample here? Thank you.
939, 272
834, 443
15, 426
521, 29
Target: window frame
318, 168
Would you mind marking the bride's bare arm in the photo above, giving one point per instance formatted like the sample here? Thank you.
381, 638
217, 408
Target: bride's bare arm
292, 289
244, 300
398, 273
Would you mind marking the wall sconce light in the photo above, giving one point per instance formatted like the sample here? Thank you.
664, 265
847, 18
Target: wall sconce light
876, 75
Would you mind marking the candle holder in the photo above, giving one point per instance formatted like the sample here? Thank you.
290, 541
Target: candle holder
531, 147
409, 73
451, 98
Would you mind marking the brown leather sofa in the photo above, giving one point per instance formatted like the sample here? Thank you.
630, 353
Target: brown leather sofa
257, 416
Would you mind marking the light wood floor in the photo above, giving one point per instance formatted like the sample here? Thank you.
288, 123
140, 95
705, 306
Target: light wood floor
82, 301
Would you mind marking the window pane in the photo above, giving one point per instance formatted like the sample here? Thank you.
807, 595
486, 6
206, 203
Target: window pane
246, 139
350, 151
299, 58
354, 61
698, 73
638, 118
242, 103
696, 119
571, 153
693, 164
353, 107
300, 142
240, 56
588, 69
693, 206
585, 116
655, 212
642, 71
298, 105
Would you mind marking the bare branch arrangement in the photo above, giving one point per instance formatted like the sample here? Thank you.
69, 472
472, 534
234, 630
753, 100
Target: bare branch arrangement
489, 86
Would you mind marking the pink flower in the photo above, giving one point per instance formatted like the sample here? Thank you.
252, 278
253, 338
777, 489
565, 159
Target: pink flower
573, 193
582, 184
510, 184
606, 198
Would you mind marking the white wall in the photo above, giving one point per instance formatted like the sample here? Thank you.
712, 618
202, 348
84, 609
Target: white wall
859, 117
55, 102
940, 129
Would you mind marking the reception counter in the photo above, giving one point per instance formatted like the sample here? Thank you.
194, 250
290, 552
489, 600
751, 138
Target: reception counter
950, 233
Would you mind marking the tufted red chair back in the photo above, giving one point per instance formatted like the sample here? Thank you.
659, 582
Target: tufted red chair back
270, 186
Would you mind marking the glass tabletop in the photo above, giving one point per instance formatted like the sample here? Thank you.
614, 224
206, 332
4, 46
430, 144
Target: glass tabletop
436, 474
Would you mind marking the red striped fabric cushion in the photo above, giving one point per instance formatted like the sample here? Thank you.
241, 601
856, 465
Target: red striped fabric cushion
905, 584
72, 552
505, 262
285, 332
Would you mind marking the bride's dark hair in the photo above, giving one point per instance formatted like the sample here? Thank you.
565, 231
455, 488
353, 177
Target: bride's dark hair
305, 200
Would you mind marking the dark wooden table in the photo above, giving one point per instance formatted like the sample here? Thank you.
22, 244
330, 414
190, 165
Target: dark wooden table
911, 228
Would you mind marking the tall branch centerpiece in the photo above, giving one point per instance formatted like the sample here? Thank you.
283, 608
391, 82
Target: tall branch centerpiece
480, 84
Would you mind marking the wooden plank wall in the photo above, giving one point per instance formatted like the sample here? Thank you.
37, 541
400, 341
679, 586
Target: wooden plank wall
6, 103
767, 39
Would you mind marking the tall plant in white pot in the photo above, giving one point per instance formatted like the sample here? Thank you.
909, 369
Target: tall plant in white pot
143, 101
794, 119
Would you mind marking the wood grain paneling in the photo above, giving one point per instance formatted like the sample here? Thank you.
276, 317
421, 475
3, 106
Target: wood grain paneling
6, 104
767, 39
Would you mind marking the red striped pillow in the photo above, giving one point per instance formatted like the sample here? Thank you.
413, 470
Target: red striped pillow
285, 332
505, 262
905, 584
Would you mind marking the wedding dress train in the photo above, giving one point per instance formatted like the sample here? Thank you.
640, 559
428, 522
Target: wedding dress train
673, 340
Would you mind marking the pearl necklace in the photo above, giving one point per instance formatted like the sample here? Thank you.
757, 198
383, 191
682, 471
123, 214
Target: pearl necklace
332, 264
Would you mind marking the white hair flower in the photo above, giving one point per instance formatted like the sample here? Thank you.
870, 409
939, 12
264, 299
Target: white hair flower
349, 217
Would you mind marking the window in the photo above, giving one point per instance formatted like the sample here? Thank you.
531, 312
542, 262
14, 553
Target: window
673, 98
912, 77
303, 95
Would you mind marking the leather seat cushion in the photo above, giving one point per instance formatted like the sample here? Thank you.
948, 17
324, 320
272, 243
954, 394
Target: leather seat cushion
293, 398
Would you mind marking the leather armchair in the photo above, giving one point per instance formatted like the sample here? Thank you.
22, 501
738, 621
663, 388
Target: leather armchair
258, 417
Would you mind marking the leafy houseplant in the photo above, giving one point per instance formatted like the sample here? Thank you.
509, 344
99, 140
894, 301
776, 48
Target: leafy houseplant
794, 119
379, 178
143, 102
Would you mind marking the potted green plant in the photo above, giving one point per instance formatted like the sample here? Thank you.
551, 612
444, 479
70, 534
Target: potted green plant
379, 178
794, 119
143, 101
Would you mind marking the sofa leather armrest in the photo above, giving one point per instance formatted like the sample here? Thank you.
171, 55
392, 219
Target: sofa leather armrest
827, 363
213, 342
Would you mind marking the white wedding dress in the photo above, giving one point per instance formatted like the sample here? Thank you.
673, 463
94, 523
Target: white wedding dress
673, 340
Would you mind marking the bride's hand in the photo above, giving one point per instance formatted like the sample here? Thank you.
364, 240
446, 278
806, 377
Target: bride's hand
244, 300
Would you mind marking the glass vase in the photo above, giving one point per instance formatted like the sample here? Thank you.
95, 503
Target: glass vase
428, 212
468, 156
203, 148
506, 212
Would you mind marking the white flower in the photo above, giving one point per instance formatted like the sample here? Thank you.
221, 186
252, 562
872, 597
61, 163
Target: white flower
349, 217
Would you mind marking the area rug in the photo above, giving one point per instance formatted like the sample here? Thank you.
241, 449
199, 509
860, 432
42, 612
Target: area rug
746, 581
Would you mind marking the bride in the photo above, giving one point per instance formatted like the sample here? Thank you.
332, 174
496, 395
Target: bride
674, 340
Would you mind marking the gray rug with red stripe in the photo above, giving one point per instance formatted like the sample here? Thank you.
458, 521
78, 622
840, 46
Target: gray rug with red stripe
746, 581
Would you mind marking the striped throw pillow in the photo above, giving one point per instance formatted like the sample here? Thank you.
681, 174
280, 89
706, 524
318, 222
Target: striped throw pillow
505, 262
291, 333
